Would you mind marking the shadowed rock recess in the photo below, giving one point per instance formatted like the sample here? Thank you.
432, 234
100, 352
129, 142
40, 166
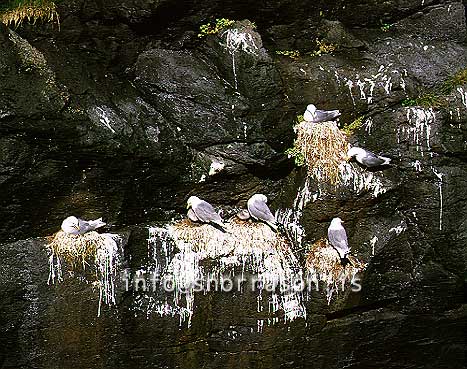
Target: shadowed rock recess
125, 112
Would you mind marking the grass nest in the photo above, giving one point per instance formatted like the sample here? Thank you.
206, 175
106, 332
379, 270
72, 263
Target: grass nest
30, 11
77, 250
324, 147
240, 237
98, 251
323, 262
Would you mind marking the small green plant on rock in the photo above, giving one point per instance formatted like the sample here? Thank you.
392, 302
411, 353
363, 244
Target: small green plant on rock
323, 48
350, 128
215, 27
436, 98
385, 27
297, 155
458, 79
294, 54
427, 100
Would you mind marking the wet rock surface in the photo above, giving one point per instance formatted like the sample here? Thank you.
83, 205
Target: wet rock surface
125, 112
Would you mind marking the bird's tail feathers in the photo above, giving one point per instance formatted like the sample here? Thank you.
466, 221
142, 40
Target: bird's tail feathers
273, 226
97, 223
220, 226
387, 161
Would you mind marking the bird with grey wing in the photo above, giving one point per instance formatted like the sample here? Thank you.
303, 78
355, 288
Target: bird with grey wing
259, 210
338, 239
203, 212
75, 226
314, 115
367, 158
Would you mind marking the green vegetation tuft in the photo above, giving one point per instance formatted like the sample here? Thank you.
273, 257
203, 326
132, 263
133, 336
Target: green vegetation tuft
437, 97
428, 100
297, 155
385, 27
323, 48
458, 79
212, 28
294, 54
350, 128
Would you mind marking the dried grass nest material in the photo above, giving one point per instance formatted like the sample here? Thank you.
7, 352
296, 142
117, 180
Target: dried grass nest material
324, 147
30, 11
76, 249
239, 236
322, 259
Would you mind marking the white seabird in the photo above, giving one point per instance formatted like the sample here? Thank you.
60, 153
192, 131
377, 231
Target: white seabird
243, 214
260, 211
73, 225
338, 239
367, 158
191, 215
202, 211
315, 116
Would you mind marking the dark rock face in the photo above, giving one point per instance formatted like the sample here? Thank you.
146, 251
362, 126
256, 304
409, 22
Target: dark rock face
125, 112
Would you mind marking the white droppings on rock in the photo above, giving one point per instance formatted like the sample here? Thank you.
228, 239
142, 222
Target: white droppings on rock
350, 85
399, 229
362, 181
216, 167
238, 41
210, 254
440, 175
368, 124
290, 218
373, 244
417, 165
372, 84
103, 115
463, 95
418, 129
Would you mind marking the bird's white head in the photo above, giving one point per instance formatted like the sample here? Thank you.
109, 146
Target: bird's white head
336, 222
311, 108
259, 197
70, 225
355, 151
192, 201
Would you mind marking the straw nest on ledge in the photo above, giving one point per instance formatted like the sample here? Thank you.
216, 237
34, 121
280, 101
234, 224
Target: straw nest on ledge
323, 265
78, 250
240, 237
323, 147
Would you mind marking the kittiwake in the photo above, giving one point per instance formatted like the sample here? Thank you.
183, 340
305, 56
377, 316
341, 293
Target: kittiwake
260, 211
203, 212
243, 214
367, 158
191, 215
315, 116
338, 240
73, 225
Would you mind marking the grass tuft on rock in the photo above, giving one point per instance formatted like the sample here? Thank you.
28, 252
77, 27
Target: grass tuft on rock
16, 12
323, 147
